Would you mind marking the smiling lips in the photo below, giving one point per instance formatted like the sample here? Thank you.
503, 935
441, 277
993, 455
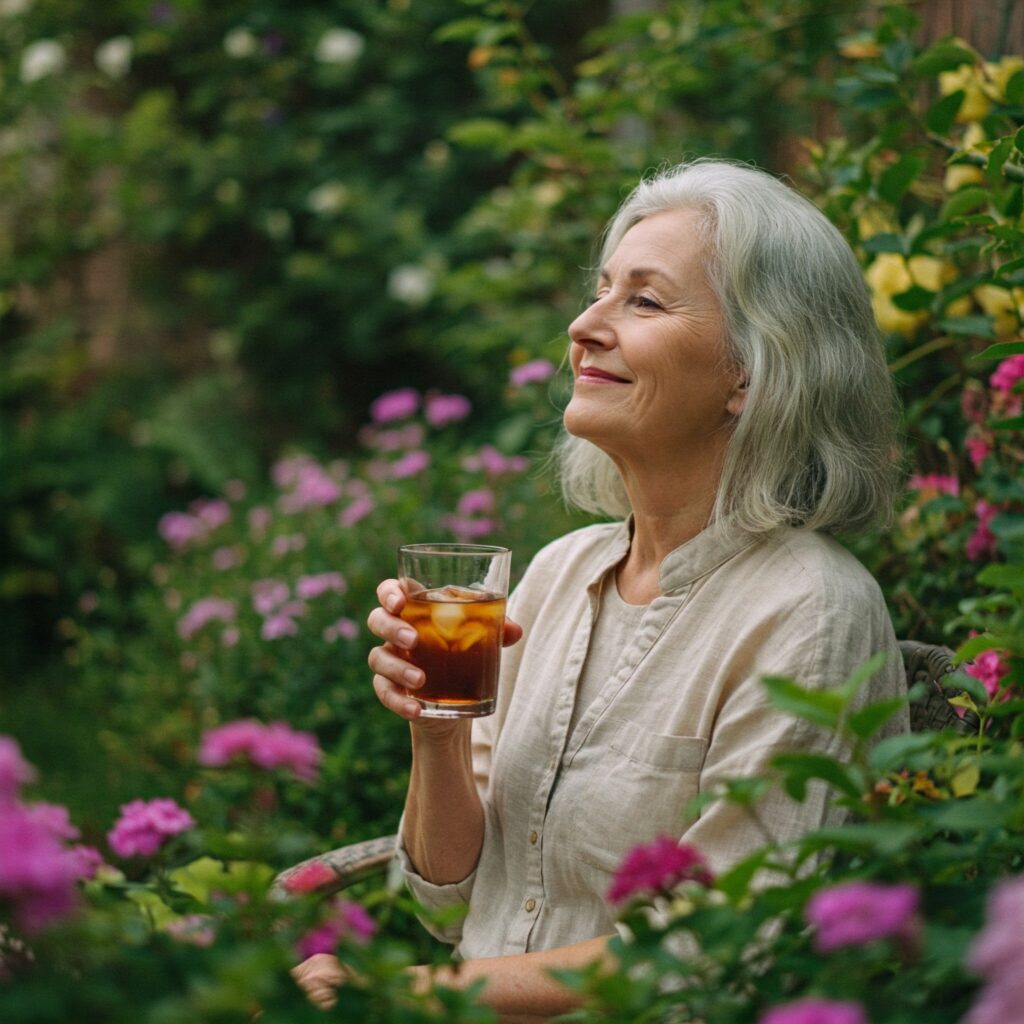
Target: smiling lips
593, 375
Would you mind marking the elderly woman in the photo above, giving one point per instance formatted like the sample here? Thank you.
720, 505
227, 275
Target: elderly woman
732, 406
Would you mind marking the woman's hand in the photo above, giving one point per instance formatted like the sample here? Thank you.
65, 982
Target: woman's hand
320, 977
394, 676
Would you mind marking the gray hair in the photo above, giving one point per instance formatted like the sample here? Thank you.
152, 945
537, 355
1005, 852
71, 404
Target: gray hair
815, 445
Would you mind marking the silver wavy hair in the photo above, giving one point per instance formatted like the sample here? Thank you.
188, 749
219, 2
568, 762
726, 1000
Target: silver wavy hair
815, 445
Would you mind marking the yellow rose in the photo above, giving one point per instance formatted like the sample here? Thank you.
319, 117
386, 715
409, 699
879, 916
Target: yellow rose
888, 274
958, 175
999, 74
1002, 305
874, 221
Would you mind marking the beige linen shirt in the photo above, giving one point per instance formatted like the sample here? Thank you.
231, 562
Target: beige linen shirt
681, 710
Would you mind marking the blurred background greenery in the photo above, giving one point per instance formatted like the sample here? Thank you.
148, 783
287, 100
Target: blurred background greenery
226, 228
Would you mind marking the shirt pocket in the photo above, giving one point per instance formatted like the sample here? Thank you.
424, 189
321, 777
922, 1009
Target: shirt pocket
637, 790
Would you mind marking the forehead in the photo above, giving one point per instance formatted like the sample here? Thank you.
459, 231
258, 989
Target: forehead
668, 243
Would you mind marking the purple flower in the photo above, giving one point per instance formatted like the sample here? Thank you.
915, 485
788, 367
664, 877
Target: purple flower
211, 512
266, 746
533, 372
312, 487
225, 558
480, 500
260, 518
997, 954
53, 818
203, 611
358, 509
179, 529
193, 930
494, 463
277, 627
15, 771
465, 529
657, 866
309, 587
345, 628
268, 595
395, 405
144, 826
410, 464
349, 921
855, 913
440, 410
38, 874
815, 1011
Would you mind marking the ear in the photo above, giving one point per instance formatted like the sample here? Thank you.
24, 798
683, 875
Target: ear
738, 398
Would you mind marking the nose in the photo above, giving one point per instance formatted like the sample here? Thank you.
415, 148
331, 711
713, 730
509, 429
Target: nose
592, 326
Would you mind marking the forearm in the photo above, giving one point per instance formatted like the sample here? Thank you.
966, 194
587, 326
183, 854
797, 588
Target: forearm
519, 988
443, 827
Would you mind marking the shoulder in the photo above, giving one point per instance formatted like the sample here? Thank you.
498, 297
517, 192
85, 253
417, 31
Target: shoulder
594, 541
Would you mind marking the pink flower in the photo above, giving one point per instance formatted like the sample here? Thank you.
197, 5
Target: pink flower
358, 509
266, 746
193, 930
410, 464
268, 595
53, 818
990, 669
225, 558
394, 405
309, 587
344, 628
996, 954
259, 518
38, 874
657, 866
350, 921
978, 450
230, 637
144, 826
310, 877
15, 771
87, 860
211, 512
533, 372
815, 1011
1007, 373
494, 463
982, 542
440, 410
465, 529
203, 611
277, 627
855, 913
931, 485
179, 529
312, 487
480, 500
409, 436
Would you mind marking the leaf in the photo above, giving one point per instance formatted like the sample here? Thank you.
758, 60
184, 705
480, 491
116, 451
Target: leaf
480, 133
966, 780
736, 881
1001, 350
868, 720
945, 55
1015, 89
1013, 423
969, 815
860, 675
895, 180
799, 769
965, 200
885, 242
887, 837
941, 115
1009, 576
823, 707
974, 326
894, 751
1007, 526
913, 299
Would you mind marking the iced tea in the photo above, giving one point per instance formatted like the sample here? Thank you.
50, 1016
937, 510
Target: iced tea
459, 633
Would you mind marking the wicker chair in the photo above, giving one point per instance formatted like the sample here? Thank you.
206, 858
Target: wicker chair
924, 664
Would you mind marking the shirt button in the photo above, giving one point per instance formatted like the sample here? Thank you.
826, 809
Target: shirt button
530, 904
533, 838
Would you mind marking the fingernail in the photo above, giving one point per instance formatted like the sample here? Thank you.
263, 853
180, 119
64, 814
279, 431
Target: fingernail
407, 637
392, 603
412, 677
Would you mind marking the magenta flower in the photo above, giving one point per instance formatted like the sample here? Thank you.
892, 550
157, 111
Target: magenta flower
15, 771
440, 410
480, 500
266, 746
989, 669
53, 818
815, 1011
144, 826
312, 486
394, 405
203, 611
179, 529
1007, 373
933, 484
978, 450
997, 954
533, 372
465, 529
494, 462
358, 509
310, 877
982, 543
38, 874
309, 587
855, 913
278, 626
410, 464
655, 867
349, 921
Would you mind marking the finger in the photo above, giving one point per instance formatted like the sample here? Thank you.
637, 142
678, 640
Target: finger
513, 633
396, 699
391, 628
392, 665
391, 596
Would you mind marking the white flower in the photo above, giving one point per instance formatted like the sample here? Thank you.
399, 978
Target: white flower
240, 42
327, 198
339, 46
114, 57
41, 58
12, 8
411, 283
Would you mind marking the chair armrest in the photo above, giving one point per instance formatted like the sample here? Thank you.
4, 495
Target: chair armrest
329, 872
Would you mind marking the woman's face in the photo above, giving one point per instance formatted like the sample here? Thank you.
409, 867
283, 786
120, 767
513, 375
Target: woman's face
648, 354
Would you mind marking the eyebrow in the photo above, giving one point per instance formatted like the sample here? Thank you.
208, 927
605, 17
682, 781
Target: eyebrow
637, 274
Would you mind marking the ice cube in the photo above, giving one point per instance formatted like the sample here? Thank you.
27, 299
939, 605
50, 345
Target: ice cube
447, 617
470, 635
